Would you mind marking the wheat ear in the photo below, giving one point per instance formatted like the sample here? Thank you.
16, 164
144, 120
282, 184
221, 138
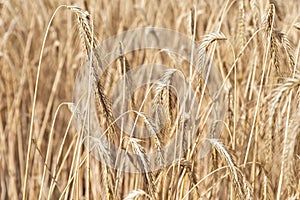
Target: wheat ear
102, 104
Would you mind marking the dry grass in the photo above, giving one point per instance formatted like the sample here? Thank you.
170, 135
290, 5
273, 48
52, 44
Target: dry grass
254, 46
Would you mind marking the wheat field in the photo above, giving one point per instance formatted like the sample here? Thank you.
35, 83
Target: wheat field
243, 143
